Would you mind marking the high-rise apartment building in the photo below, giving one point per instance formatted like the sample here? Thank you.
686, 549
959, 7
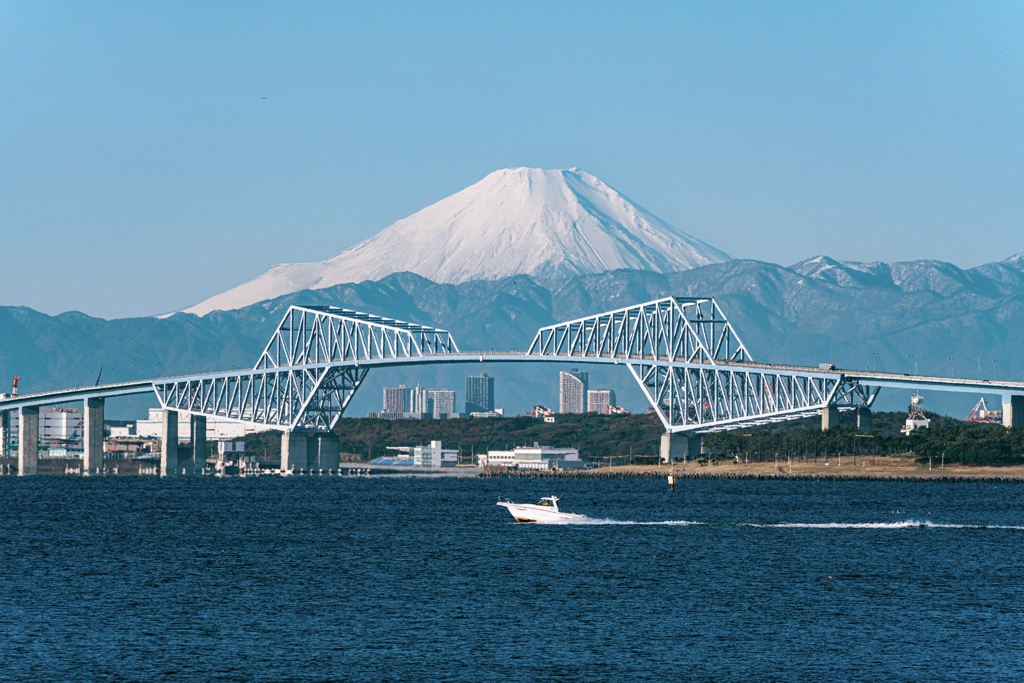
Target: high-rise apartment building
419, 400
479, 394
572, 391
600, 401
443, 403
394, 399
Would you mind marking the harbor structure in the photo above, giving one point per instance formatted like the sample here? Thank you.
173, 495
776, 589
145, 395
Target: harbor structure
916, 419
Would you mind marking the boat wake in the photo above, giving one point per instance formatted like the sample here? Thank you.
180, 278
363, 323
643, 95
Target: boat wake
612, 522
906, 524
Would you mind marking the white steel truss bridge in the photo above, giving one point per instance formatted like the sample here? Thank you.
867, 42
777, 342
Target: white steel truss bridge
685, 355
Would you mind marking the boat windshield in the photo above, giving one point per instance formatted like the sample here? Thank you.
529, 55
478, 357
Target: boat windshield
546, 502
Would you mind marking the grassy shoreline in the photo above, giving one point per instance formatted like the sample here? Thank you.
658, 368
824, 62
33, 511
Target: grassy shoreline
866, 467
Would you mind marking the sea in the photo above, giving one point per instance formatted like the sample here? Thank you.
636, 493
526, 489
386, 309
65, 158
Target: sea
402, 578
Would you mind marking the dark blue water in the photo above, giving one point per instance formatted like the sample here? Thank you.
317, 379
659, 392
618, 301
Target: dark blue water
415, 579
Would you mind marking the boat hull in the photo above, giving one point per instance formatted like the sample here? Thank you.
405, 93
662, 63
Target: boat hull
536, 514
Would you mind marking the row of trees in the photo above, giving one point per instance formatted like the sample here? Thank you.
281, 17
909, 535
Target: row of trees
958, 443
596, 436
969, 445
600, 437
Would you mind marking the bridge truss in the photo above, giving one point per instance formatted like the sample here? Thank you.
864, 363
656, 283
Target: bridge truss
683, 352
309, 370
693, 368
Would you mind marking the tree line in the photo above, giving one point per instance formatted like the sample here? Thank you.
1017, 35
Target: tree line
637, 438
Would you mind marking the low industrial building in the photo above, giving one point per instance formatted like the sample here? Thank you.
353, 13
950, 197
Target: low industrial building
422, 456
535, 457
497, 412
59, 427
217, 429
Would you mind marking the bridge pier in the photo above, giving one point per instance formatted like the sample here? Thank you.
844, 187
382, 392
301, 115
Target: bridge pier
328, 455
5, 433
829, 417
1013, 411
92, 454
675, 447
169, 444
864, 419
294, 452
198, 443
28, 441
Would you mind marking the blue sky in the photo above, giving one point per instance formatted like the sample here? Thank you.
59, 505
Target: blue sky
142, 171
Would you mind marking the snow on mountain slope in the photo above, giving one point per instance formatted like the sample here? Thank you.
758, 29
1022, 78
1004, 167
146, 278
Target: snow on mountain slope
521, 221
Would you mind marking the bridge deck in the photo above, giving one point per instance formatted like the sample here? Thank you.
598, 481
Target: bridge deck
865, 377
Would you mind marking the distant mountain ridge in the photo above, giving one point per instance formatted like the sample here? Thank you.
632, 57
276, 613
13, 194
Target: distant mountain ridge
896, 317
547, 224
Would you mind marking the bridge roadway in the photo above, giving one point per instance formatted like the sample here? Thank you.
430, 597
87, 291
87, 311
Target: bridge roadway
866, 377
319, 356
1010, 391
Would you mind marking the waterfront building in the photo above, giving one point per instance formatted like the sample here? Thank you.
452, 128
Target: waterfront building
600, 401
479, 394
535, 457
217, 429
120, 447
58, 426
433, 455
572, 391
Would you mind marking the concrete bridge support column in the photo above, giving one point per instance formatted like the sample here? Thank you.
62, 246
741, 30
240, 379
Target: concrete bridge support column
92, 455
676, 447
328, 455
1013, 412
169, 444
294, 452
5, 433
829, 417
864, 419
198, 443
28, 441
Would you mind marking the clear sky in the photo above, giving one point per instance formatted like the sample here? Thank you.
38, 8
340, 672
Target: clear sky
154, 154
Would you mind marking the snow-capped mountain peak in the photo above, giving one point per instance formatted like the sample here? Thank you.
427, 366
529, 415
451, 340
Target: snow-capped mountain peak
518, 221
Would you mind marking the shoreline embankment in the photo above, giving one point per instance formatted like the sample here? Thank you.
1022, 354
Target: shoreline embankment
875, 469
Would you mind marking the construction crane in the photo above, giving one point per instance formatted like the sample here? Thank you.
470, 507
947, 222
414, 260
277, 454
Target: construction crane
981, 413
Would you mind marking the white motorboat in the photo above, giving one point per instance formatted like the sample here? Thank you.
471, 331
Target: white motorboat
544, 511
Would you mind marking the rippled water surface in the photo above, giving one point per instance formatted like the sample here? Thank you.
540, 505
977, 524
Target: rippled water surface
427, 579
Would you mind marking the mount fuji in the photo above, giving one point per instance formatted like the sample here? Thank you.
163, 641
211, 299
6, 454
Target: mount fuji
548, 224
